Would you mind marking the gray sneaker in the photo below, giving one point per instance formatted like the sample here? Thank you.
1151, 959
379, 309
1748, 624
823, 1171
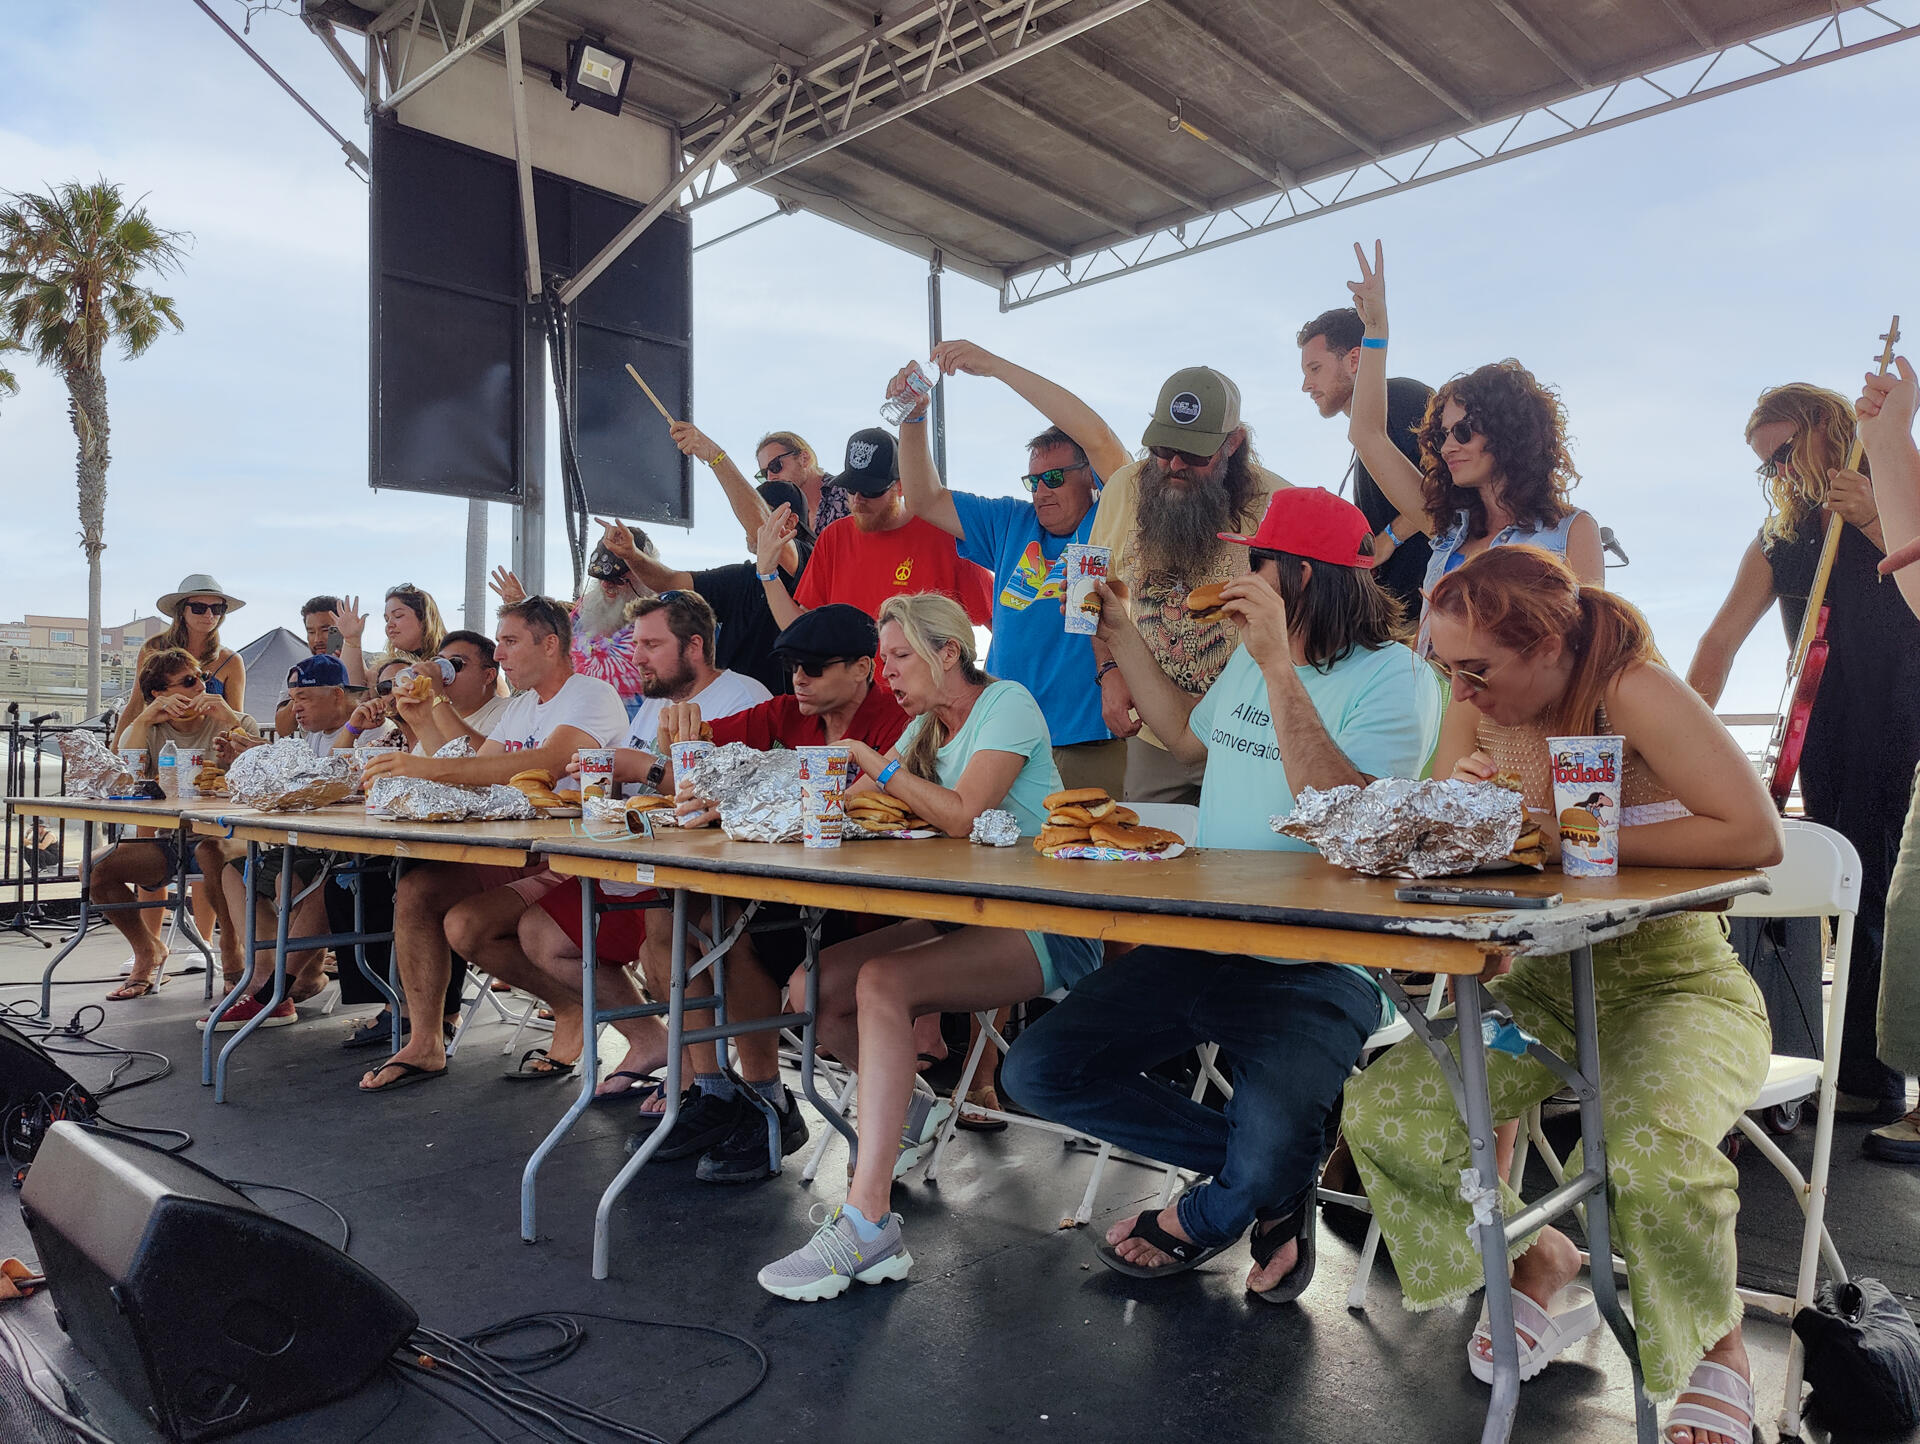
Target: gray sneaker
926, 1115
835, 1256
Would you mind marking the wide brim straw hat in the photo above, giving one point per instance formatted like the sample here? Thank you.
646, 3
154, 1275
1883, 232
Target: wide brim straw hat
199, 584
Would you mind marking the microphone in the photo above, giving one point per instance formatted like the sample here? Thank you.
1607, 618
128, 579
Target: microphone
1611, 543
43, 718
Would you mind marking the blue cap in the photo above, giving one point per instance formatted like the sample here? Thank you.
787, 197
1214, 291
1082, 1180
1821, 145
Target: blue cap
324, 670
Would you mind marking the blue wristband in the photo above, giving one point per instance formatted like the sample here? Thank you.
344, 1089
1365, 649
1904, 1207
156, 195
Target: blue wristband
915, 420
767, 576
886, 774
1390, 534
1374, 343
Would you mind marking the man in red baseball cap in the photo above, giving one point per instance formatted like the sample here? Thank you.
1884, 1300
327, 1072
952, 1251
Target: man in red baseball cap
1319, 692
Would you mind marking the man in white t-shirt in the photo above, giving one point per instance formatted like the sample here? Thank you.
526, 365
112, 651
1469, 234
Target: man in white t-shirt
320, 703
673, 638
556, 714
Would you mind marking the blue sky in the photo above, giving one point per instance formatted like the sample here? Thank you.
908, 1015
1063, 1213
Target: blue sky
1661, 275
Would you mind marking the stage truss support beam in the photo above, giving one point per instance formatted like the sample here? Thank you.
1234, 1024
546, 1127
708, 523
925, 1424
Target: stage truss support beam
523, 159
1414, 71
1606, 108
458, 52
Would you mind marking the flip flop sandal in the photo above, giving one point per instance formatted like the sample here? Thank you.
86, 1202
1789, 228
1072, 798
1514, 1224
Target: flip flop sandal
1185, 1255
1299, 1226
535, 1064
137, 988
644, 1121
410, 1074
632, 1090
1721, 1384
973, 1121
1575, 1316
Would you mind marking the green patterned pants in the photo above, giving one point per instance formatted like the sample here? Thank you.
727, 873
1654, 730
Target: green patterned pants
1683, 1049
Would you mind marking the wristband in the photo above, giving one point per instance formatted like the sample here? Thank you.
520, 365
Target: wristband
1374, 343
351, 730
886, 774
766, 576
1391, 536
1101, 671
919, 420
718, 457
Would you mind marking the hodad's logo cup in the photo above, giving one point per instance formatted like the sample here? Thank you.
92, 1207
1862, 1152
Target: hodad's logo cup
1084, 566
823, 779
1586, 796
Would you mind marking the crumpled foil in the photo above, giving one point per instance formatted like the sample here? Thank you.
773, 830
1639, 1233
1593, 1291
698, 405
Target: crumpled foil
1397, 827
285, 776
758, 793
93, 771
994, 828
413, 799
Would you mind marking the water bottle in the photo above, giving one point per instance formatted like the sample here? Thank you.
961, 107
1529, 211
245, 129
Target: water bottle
896, 409
169, 771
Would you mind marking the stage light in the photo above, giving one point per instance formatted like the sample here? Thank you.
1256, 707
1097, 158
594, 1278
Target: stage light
596, 76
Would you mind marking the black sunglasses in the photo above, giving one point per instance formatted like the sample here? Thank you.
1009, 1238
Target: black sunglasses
813, 669
1462, 431
1777, 463
1053, 478
202, 609
1167, 453
772, 468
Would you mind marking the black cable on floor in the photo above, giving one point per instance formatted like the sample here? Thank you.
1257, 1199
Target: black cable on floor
346, 1229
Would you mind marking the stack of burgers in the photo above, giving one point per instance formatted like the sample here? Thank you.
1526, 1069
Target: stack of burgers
1531, 848
211, 780
878, 812
537, 784
1087, 817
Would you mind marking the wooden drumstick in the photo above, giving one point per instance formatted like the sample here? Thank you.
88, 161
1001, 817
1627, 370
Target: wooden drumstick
640, 381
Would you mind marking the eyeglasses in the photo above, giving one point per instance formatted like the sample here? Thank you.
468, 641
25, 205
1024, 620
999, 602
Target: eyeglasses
1167, 453
205, 609
192, 679
384, 687
1777, 463
1476, 682
1462, 431
772, 468
1053, 478
814, 670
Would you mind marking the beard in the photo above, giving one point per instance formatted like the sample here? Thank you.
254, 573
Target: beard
667, 683
883, 521
602, 613
1180, 523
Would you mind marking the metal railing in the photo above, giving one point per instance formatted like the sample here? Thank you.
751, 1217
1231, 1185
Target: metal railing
36, 767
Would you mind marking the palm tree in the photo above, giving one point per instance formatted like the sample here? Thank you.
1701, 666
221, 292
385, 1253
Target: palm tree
9, 383
70, 260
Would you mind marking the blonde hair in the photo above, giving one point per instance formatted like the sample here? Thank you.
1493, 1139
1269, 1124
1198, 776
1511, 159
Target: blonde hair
792, 440
1823, 430
929, 621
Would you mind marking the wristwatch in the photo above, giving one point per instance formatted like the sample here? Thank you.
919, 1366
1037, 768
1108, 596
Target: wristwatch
656, 774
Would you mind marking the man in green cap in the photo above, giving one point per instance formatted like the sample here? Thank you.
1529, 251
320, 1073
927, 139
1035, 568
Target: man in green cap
1162, 517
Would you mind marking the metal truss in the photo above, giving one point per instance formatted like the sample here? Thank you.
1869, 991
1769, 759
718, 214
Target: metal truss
1597, 108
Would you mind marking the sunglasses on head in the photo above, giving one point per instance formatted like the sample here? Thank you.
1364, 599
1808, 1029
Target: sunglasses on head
1053, 478
1167, 453
1777, 463
1462, 431
204, 609
772, 468
814, 669
405, 590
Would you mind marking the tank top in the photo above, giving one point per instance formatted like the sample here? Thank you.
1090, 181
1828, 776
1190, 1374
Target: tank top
1644, 799
1445, 555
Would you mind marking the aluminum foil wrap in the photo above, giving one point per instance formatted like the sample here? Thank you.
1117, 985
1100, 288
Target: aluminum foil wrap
1397, 827
413, 799
758, 793
93, 771
994, 828
285, 776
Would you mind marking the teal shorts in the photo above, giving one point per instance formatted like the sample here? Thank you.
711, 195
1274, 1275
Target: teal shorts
1064, 961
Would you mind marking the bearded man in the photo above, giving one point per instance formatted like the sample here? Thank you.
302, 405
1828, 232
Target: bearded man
602, 633
1162, 517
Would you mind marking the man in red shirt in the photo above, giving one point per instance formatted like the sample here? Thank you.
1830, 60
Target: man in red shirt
879, 550
829, 652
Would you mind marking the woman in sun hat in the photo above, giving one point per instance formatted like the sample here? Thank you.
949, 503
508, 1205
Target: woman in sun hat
197, 607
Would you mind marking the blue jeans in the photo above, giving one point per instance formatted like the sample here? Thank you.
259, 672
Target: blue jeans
1293, 1031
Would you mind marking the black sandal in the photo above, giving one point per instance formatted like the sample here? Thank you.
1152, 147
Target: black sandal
1185, 1255
537, 1064
1298, 1225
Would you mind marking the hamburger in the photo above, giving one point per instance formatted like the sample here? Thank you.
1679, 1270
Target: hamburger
1206, 604
1508, 779
1054, 836
1132, 837
1078, 806
1579, 827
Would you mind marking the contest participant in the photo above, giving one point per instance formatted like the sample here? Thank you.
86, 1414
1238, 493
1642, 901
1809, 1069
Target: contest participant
1330, 348
1683, 1030
1319, 692
197, 607
673, 640
1024, 545
974, 743
556, 713
829, 651
1162, 518
1494, 469
1863, 740
879, 550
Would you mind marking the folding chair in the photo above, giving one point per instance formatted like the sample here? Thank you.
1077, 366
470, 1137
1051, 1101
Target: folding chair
527, 1017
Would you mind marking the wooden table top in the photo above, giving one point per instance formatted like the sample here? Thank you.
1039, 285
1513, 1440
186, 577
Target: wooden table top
348, 828
163, 813
1289, 904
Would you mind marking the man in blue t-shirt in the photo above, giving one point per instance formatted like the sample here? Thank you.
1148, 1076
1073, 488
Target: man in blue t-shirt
1319, 693
1023, 544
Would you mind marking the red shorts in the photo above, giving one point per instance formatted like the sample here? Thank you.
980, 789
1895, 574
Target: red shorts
618, 937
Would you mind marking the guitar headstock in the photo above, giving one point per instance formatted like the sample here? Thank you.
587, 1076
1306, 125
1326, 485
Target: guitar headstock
1892, 337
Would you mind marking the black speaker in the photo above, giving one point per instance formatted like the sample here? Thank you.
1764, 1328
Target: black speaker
35, 1092
197, 1306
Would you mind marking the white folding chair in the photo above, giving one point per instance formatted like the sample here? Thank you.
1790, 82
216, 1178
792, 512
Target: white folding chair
527, 1017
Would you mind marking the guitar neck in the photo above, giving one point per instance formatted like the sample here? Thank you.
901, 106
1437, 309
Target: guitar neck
1817, 593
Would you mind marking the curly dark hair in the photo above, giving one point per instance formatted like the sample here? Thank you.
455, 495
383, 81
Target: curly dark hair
1526, 430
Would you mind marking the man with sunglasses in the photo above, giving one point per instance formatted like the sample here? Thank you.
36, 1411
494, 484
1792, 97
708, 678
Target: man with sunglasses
1162, 517
1023, 543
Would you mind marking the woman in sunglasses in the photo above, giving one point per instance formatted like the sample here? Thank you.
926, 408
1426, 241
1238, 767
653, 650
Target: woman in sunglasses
1494, 467
1863, 739
1684, 1039
197, 607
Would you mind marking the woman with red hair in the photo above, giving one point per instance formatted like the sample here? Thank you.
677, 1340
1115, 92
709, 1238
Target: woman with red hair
1683, 1031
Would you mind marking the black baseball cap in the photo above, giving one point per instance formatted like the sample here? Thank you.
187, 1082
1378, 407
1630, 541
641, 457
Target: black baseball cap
873, 462
828, 633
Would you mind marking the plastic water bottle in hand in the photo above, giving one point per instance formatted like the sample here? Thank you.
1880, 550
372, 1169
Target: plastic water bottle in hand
896, 409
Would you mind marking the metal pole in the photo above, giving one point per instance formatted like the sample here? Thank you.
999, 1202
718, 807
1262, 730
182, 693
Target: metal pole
475, 610
934, 338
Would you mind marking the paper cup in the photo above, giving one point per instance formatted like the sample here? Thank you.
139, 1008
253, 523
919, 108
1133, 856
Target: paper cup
1586, 797
685, 754
1084, 566
187, 763
134, 759
596, 772
823, 781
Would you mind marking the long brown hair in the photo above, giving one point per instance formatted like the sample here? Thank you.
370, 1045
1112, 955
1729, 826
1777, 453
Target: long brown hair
433, 631
176, 637
1823, 427
1520, 595
1525, 428
1339, 610
929, 621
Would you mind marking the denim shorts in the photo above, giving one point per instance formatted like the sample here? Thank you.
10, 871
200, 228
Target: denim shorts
1064, 961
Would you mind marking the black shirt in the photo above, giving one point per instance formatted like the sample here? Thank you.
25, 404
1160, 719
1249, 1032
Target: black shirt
744, 642
1405, 571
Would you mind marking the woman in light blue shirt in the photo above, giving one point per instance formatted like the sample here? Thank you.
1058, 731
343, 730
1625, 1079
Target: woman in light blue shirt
974, 744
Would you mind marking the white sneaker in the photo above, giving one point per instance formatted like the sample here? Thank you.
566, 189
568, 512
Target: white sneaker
835, 1258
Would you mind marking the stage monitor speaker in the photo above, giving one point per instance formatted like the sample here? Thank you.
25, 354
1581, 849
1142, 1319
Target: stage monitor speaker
35, 1092
197, 1306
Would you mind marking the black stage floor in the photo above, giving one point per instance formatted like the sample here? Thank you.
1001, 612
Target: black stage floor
1007, 1329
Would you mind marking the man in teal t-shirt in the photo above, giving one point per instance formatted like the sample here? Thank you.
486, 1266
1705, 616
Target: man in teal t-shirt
1319, 693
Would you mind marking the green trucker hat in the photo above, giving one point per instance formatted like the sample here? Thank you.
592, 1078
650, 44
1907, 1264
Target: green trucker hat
1197, 408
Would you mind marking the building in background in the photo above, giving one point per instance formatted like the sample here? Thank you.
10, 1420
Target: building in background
43, 662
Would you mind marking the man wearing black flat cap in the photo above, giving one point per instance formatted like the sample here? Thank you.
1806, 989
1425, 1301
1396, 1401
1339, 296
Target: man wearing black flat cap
878, 551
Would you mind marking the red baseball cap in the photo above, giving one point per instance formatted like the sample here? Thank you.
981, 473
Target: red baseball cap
1305, 521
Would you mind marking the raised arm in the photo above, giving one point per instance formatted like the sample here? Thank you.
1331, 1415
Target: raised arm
353, 626
1886, 410
775, 536
750, 508
1398, 479
1052, 400
1307, 750
651, 571
1745, 605
925, 493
